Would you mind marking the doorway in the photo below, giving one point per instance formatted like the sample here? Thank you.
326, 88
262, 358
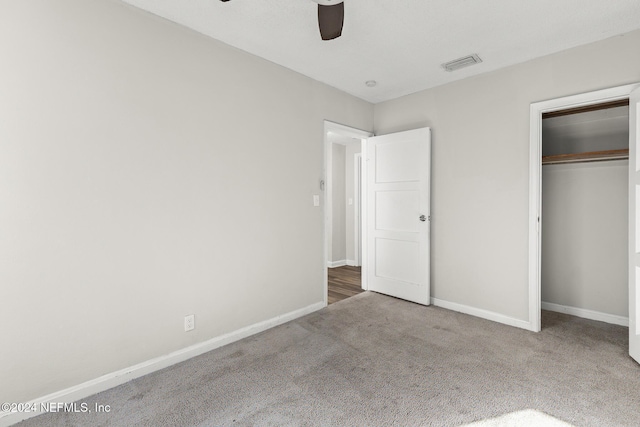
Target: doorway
395, 218
535, 183
584, 225
342, 187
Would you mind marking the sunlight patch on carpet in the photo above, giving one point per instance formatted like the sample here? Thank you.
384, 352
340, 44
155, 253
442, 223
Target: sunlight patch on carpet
524, 418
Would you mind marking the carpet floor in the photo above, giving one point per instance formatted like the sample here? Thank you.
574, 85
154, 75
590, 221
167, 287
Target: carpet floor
373, 360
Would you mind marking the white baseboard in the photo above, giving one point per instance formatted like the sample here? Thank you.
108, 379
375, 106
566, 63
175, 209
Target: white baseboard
587, 314
483, 314
122, 376
334, 264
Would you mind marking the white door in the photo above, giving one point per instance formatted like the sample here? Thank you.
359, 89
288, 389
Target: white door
358, 209
398, 214
634, 224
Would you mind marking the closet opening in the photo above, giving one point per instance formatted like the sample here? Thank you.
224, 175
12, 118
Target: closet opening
584, 220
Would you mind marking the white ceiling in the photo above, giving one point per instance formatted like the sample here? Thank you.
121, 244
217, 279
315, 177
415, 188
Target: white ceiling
401, 44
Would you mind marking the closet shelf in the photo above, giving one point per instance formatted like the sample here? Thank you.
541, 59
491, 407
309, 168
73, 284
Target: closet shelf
591, 156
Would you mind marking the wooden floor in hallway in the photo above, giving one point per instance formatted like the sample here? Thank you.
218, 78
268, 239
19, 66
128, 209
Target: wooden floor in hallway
344, 282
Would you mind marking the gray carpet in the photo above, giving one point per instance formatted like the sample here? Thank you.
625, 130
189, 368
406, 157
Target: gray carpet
379, 361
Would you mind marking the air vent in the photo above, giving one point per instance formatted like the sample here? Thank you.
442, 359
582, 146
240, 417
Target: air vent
466, 61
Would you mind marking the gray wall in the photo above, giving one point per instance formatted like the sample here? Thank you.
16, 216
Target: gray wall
480, 165
338, 207
146, 173
585, 236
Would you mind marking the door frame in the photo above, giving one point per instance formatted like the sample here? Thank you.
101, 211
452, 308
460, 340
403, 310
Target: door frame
535, 177
325, 188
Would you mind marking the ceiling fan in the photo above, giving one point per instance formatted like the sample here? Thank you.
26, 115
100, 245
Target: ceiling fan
330, 18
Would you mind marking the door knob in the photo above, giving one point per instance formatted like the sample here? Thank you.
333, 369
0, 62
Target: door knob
423, 218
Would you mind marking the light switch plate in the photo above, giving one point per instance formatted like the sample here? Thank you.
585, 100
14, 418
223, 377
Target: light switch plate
316, 200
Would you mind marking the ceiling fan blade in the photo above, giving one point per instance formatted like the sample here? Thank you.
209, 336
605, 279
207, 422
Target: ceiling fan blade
330, 19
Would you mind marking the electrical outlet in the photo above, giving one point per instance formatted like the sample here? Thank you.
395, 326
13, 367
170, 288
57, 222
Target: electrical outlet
189, 322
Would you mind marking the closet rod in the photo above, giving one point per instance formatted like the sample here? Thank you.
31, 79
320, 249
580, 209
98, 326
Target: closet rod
591, 156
